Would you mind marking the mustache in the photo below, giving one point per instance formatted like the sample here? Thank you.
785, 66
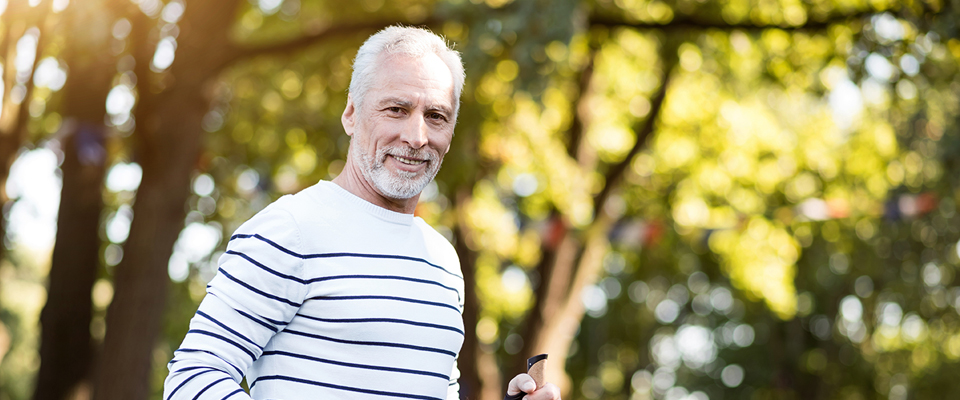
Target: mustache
408, 152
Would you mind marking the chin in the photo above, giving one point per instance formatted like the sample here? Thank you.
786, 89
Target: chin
398, 186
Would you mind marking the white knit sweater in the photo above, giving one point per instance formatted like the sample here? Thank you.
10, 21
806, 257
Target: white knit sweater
323, 295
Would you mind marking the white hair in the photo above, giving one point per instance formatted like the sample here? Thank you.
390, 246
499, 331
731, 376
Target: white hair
409, 41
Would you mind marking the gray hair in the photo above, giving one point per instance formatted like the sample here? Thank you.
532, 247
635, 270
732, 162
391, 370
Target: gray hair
409, 41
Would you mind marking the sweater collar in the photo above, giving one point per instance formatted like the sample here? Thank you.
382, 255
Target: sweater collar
366, 206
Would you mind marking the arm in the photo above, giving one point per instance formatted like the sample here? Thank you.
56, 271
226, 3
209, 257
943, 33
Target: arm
256, 291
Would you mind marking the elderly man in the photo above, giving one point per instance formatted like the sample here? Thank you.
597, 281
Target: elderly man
339, 292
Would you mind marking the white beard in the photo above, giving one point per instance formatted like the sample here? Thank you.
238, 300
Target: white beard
397, 184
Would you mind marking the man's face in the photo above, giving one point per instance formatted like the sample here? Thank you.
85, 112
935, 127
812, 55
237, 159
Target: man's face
404, 126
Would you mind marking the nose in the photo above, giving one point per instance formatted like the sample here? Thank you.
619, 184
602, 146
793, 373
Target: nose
415, 132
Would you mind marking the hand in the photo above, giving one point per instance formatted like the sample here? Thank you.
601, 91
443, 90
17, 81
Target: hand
524, 383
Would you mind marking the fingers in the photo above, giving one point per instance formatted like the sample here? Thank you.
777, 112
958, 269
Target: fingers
524, 383
521, 383
548, 392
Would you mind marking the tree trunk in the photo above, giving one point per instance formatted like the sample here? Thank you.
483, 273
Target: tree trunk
561, 320
66, 350
560, 250
479, 373
470, 385
169, 138
573, 259
135, 316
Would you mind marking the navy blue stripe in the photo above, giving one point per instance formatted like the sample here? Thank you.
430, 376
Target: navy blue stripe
191, 368
188, 380
232, 393
361, 366
381, 344
239, 371
275, 321
394, 277
346, 388
258, 319
387, 320
333, 255
404, 299
258, 291
268, 241
208, 387
382, 256
222, 325
255, 319
253, 357
264, 267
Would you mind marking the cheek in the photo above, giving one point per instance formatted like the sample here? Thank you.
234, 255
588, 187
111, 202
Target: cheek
383, 130
442, 144
364, 143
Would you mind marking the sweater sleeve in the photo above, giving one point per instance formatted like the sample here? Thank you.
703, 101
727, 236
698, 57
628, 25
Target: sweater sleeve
256, 292
453, 391
453, 388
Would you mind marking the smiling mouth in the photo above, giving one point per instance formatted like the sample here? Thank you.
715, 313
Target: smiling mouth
409, 161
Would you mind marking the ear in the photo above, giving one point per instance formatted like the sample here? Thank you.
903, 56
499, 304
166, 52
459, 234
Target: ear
348, 119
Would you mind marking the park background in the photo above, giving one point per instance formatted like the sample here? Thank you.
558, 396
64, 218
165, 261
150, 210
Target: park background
675, 199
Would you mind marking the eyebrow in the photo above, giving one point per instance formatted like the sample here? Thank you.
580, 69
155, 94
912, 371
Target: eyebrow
442, 109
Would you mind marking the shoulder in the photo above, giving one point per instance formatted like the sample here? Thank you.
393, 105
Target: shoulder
309, 201
299, 209
282, 218
438, 245
313, 219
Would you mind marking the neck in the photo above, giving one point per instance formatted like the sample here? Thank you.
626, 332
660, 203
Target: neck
352, 180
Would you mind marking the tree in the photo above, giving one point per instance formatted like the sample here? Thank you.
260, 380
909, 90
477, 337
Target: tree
738, 262
66, 350
169, 142
736, 199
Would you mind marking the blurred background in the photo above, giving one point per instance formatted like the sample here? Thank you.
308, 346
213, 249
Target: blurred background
675, 199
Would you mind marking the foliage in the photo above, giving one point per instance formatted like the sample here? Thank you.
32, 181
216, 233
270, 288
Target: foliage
753, 199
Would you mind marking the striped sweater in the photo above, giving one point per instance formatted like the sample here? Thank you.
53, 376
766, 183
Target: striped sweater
323, 295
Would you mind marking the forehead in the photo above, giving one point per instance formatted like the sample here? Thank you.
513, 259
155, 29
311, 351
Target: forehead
417, 79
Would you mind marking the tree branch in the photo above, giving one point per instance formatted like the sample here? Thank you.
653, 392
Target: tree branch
686, 24
242, 53
577, 126
23, 113
616, 171
689, 23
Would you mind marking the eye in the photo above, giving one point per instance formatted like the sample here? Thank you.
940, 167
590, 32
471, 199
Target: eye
394, 109
437, 117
